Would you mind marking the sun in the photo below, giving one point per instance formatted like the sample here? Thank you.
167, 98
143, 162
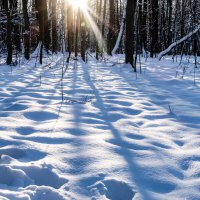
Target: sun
82, 4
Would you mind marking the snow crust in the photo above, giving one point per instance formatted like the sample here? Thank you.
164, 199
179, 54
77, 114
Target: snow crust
115, 136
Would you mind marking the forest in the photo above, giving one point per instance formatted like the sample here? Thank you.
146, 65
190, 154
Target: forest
104, 27
99, 100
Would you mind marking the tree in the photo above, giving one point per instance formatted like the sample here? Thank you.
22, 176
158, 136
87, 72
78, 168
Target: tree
54, 25
120, 35
143, 24
154, 27
76, 32
129, 43
83, 36
13, 4
42, 16
27, 30
173, 45
9, 32
111, 32
98, 12
57, 25
70, 32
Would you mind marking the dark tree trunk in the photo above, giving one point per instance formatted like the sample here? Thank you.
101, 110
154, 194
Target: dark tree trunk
83, 36
54, 26
169, 37
99, 25
40, 18
70, 32
111, 32
182, 21
104, 17
154, 28
76, 32
103, 23
143, 23
27, 30
44, 37
9, 33
47, 39
195, 41
130, 18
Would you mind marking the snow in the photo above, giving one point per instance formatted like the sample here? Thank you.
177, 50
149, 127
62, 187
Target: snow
120, 32
161, 54
115, 136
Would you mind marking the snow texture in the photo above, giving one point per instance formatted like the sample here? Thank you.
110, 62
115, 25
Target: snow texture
115, 136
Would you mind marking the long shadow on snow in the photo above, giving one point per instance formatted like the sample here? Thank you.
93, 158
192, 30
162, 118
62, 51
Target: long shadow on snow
166, 98
80, 161
135, 171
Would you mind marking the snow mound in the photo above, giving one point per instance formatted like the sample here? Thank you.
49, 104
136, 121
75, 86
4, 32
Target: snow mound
45, 193
33, 193
112, 189
22, 154
112, 123
30, 175
13, 177
13, 152
44, 176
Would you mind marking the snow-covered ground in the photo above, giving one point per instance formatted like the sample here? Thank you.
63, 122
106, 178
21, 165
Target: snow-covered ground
114, 136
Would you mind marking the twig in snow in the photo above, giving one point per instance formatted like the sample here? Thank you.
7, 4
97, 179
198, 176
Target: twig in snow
171, 109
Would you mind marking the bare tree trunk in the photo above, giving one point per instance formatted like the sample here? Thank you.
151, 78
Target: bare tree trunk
54, 26
111, 33
27, 30
169, 37
103, 24
40, 18
173, 45
83, 36
44, 37
70, 32
76, 32
154, 27
130, 13
98, 22
143, 24
9, 32
194, 9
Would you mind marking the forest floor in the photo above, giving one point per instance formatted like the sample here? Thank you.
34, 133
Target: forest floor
115, 136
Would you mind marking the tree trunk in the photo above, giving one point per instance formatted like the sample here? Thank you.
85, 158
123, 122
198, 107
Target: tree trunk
54, 26
76, 32
9, 32
143, 24
169, 37
83, 36
70, 31
47, 39
27, 30
154, 27
111, 32
130, 18
15, 24
44, 37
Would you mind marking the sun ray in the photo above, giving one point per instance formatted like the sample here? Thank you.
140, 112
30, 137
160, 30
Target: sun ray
82, 4
89, 17
95, 29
